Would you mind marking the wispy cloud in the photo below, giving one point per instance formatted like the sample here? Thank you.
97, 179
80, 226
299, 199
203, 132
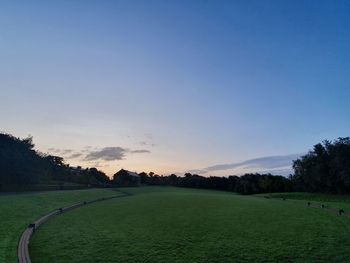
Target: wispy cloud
145, 143
60, 151
90, 153
75, 155
107, 154
278, 171
54, 150
111, 153
66, 151
140, 151
266, 164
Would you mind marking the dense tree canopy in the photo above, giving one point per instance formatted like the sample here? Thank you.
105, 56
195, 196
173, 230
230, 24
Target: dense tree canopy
21, 164
324, 169
246, 184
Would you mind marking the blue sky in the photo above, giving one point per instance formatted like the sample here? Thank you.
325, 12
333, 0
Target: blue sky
173, 86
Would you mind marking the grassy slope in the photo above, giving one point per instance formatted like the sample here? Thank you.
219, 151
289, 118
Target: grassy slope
18, 210
183, 225
333, 201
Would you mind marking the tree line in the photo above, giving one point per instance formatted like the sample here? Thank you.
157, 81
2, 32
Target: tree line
21, 164
324, 169
245, 184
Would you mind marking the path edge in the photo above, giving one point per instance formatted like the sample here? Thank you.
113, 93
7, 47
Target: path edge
23, 243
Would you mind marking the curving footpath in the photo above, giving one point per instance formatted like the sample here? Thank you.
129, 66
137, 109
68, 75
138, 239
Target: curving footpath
22, 249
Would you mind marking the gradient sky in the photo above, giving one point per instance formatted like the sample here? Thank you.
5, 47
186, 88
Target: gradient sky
216, 87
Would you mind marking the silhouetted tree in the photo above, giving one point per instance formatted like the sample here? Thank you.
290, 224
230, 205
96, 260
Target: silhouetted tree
324, 169
246, 184
21, 164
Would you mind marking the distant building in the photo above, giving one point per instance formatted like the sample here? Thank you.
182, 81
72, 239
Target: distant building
126, 178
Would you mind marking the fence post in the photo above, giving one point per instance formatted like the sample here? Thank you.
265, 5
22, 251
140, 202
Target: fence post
32, 225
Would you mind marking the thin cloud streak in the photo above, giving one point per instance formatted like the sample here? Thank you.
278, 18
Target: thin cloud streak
75, 155
140, 151
268, 163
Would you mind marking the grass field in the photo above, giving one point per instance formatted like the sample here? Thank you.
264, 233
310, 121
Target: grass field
312, 197
332, 201
185, 225
18, 210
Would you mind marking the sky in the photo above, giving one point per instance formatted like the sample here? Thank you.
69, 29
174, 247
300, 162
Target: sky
213, 87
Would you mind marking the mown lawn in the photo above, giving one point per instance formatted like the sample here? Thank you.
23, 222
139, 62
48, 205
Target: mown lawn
331, 201
183, 225
18, 210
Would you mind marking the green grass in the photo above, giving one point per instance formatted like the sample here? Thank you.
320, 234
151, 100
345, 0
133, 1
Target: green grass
183, 225
331, 201
18, 210
312, 197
